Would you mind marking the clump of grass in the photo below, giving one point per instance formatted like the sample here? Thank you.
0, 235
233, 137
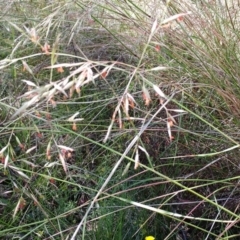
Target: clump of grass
121, 124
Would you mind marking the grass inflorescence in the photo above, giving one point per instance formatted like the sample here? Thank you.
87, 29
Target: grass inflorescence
119, 120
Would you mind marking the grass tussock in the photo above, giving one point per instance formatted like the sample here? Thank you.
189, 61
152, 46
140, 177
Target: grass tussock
119, 120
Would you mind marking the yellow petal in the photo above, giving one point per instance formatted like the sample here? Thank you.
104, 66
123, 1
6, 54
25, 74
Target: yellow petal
149, 238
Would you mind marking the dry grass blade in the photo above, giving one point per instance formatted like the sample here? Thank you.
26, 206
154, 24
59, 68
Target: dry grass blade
18, 206
4, 149
175, 17
177, 215
108, 131
26, 105
159, 68
18, 171
144, 150
66, 148
26, 67
6, 160
59, 89
30, 149
73, 119
63, 162
159, 91
29, 83
136, 159
146, 96
154, 27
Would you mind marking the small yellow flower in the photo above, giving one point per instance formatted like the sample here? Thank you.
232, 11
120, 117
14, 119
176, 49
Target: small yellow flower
149, 238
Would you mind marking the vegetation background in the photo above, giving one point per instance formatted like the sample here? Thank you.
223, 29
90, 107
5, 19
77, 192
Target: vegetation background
119, 119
